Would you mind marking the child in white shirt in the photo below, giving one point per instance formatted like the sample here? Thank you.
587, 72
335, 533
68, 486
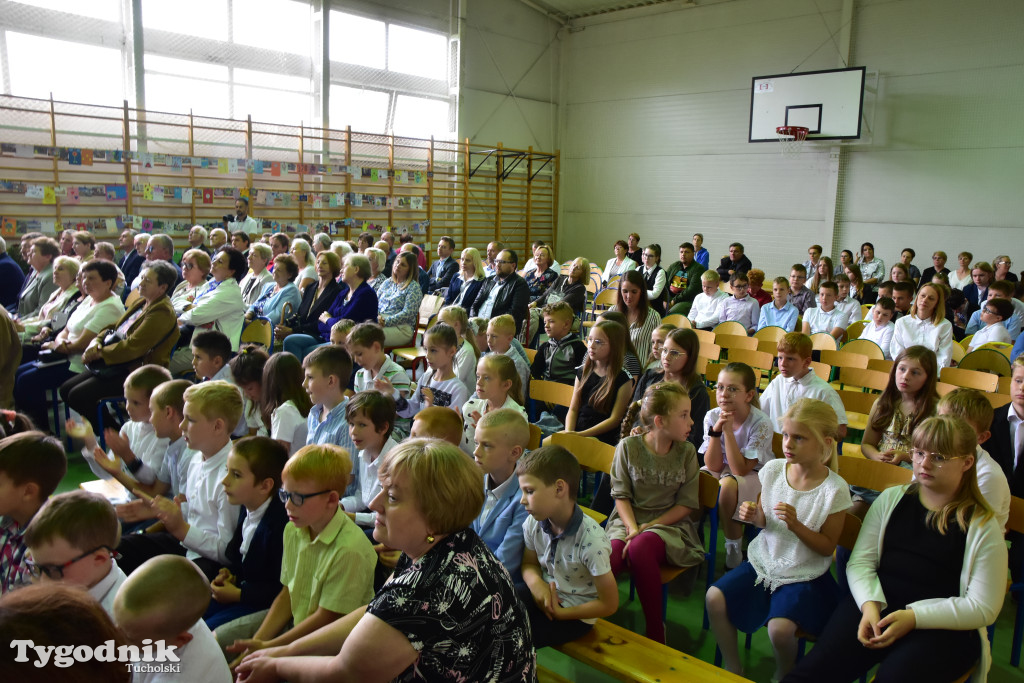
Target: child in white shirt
992, 314
881, 327
706, 310
827, 317
846, 303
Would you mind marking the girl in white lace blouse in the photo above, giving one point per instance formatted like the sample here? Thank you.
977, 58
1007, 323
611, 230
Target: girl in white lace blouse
786, 581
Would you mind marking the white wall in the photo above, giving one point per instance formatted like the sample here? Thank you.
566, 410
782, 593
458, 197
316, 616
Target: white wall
655, 114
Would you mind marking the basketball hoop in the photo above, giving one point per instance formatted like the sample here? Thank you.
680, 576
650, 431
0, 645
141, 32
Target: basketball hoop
791, 138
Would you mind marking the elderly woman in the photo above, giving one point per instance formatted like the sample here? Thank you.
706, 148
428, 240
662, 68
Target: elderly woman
1002, 264
321, 243
926, 326
466, 284
279, 293
83, 246
571, 288
400, 299
618, 264
145, 334
356, 302
541, 277
258, 277
378, 259
64, 278
476, 626
316, 299
100, 309
341, 249
303, 255
195, 269
40, 283
218, 305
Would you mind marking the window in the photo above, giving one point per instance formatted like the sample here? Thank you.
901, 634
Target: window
199, 18
39, 66
365, 110
99, 9
420, 53
179, 95
418, 117
355, 40
274, 24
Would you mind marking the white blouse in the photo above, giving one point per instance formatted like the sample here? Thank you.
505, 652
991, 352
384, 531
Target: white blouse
912, 331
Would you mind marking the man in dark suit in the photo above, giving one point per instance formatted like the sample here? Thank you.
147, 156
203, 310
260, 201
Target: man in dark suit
444, 268
976, 292
131, 264
12, 277
503, 292
1005, 446
125, 245
735, 262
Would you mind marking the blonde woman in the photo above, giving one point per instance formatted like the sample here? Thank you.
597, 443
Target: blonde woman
464, 286
303, 256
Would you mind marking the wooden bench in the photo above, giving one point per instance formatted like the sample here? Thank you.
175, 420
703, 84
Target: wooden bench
627, 656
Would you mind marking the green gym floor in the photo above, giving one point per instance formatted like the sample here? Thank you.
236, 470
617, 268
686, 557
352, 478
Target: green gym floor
684, 623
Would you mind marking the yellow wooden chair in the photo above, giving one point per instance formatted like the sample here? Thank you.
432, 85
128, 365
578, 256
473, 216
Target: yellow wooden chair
535, 437
881, 365
987, 360
864, 310
677, 319
943, 388
730, 327
997, 400
972, 379
604, 300
702, 366
555, 393
872, 474
530, 354
822, 370
768, 346
755, 359
966, 342
855, 329
865, 347
958, 354
844, 359
710, 351
132, 297
705, 336
734, 341
772, 333
821, 341
258, 331
858, 407
1002, 347
866, 379
1004, 385
593, 454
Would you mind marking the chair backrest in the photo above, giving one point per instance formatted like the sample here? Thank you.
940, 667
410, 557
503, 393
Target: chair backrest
258, 331
943, 388
864, 308
708, 494
735, 341
822, 370
1002, 347
677, 319
777, 445
972, 379
713, 370
958, 354
881, 365
987, 360
132, 297
593, 284
604, 299
593, 455
530, 354
855, 329
705, 336
730, 327
857, 401
851, 530
965, 343
864, 347
997, 400
1016, 520
1004, 385
872, 474
869, 379
768, 346
772, 333
844, 359
755, 359
710, 351
551, 392
821, 341
535, 437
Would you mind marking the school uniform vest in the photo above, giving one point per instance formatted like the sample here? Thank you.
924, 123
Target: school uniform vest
659, 303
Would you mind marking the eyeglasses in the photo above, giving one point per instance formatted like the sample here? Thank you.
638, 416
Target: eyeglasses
55, 572
728, 390
188, 266
297, 499
672, 354
938, 458
596, 342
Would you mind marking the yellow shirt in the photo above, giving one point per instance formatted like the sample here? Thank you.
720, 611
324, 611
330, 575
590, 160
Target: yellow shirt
333, 571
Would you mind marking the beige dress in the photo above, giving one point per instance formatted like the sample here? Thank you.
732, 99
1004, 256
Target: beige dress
653, 484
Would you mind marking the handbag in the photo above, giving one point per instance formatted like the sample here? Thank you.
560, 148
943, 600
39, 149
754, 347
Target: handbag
99, 367
50, 357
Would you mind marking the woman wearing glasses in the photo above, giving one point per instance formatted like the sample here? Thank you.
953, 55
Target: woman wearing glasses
1002, 265
927, 575
679, 365
195, 268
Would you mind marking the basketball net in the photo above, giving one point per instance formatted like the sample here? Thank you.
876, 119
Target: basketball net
791, 139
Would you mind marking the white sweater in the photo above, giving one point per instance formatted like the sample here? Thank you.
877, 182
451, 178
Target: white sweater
982, 578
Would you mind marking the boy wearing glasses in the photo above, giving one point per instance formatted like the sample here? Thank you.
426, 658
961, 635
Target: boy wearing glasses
799, 295
328, 564
72, 539
201, 528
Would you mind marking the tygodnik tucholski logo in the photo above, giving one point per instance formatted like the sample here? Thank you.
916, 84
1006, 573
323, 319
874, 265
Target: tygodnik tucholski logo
152, 657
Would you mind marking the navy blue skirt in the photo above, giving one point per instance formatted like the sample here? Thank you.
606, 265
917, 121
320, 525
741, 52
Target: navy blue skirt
808, 603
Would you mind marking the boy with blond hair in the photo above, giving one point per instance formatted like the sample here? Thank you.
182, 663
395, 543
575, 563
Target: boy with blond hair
164, 600
72, 539
796, 380
501, 333
328, 564
564, 351
971, 406
779, 312
436, 422
203, 530
31, 466
707, 306
566, 566
501, 438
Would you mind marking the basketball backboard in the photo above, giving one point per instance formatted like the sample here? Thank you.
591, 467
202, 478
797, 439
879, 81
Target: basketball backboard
829, 103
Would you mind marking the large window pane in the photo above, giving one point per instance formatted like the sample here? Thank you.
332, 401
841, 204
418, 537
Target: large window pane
40, 66
417, 52
273, 106
419, 117
181, 95
183, 67
356, 40
274, 24
269, 80
201, 18
365, 110
100, 9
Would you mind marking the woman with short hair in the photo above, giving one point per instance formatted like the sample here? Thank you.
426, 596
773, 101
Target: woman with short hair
280, 293
400, 298
195, 269
476, 626
316, 299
